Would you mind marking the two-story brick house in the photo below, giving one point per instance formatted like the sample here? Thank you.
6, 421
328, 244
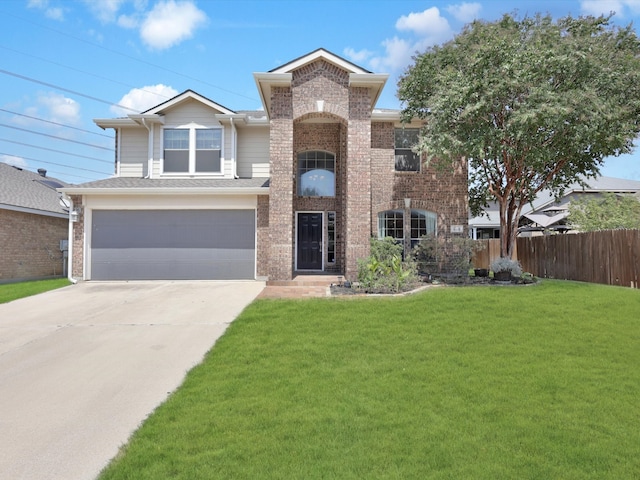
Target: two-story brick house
204, 192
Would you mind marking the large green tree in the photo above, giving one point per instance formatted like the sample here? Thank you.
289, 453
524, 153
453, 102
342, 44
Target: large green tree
533, 103
606, 212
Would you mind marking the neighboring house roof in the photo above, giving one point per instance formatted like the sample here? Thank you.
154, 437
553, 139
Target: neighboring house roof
25, 191
545, 201
132, 185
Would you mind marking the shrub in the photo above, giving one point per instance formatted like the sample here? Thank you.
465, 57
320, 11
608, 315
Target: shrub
505, 264
384, 270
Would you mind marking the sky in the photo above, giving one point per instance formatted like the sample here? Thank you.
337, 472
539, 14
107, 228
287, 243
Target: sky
64, 63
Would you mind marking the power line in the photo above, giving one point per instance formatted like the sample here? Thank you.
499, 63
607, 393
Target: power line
58, 87
56, 151
53, 163
56, 123
122, 54
83, 71
57, 137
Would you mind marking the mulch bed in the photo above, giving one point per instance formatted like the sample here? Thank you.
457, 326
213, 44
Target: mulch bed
426, 281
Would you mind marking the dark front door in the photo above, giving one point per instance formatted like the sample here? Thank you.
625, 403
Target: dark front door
309, 241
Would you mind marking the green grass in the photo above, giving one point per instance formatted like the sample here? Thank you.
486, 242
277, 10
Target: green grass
538, 382
13, 291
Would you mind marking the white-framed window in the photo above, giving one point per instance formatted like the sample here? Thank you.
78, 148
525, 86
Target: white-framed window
391, 224
316, 174
406, 159
193, 150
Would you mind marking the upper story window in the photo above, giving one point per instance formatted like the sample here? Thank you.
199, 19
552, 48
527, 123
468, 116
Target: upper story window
316, 174
406, 159
192, 150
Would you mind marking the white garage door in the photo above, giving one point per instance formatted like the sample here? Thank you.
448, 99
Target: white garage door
173, 244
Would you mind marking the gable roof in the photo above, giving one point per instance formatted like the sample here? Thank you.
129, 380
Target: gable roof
283, 75
184, 96
315, 55
25, 191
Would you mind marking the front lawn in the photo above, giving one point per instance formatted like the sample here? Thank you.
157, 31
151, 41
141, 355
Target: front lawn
13, 291
537, 382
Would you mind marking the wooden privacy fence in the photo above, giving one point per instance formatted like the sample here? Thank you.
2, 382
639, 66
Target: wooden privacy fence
610, 257
488, 250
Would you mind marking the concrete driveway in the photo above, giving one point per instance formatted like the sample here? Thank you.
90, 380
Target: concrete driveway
81, 367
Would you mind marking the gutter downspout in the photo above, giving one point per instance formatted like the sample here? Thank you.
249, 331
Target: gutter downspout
234, 143
70, 246
149, 149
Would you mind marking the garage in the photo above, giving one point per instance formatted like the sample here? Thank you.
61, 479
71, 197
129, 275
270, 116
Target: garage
173, 244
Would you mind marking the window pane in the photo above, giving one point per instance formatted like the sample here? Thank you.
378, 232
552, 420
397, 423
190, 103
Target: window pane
316, 174
406, 159
391, 224
176, 139
176, 161
208, 161
210, 139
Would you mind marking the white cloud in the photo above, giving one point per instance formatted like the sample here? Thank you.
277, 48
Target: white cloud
604, 7
419, 31
142, 99
59, 108
465, 12
397, 55
54, 13
128, 21
105, 10
357, 57
15, 161
171, 22
428, 23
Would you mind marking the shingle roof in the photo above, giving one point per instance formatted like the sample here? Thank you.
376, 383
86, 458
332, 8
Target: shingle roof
24, 189
136, 182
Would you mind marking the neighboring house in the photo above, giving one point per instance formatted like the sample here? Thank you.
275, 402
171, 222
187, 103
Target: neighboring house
205, 192
545, 214
32, 225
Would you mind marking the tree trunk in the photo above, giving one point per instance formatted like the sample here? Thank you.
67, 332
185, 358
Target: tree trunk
509, 219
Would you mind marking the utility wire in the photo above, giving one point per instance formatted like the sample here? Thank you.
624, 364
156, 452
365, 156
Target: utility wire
56, 164
56, 173
57, 137
160, 67
58, 87
56, 151
84, 72
56, 123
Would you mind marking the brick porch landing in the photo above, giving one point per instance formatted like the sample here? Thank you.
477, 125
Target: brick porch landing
302, 286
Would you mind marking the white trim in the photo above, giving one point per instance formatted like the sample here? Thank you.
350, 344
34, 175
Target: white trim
35, 211
192, 127
322, 241
211, 191
324, 54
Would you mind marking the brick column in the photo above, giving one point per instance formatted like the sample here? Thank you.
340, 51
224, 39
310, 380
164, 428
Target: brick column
77, 262
358, 173
281, 185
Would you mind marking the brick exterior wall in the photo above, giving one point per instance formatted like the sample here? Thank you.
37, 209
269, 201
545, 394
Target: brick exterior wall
443, 192
281, 185
358, 176
77, 268
31, 245
262, 234
329, 137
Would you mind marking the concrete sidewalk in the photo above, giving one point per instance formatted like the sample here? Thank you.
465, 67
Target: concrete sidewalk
83, 366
